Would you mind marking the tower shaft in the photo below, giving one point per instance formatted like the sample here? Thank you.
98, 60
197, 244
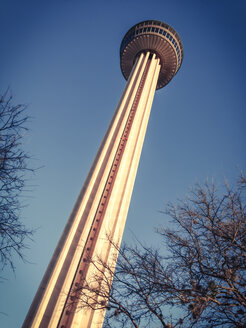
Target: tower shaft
98, 218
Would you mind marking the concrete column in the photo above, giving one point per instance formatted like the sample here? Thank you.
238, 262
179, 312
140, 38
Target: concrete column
131, 117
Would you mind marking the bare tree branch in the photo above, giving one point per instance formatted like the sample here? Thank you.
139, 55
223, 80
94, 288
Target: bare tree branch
13, 166
199, 281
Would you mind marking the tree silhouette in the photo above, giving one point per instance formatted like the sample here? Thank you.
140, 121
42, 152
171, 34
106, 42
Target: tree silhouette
199, 280
13, 166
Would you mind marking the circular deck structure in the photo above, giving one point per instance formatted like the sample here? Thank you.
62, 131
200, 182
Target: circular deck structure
158, 38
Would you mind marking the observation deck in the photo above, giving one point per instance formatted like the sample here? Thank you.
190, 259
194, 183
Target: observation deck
156, 37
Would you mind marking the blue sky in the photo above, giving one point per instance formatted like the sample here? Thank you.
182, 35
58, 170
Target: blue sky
61, 58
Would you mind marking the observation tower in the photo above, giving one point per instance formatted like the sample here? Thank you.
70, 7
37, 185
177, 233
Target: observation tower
150, 55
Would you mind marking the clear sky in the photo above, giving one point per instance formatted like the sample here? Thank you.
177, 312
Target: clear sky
61, 57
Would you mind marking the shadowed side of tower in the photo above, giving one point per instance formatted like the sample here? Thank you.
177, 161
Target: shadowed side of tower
151, 54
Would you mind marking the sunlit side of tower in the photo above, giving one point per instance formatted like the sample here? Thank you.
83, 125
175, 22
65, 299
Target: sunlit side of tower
150, 55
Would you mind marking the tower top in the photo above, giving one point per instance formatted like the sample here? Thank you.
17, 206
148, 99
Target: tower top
158, 38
